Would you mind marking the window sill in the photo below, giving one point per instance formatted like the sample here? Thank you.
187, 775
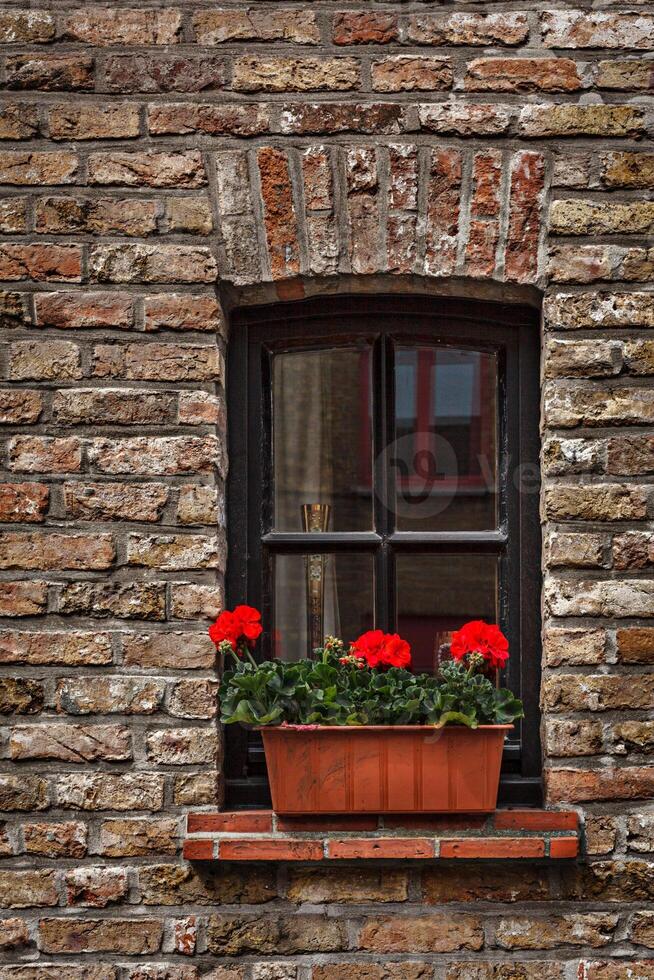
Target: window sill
261, 835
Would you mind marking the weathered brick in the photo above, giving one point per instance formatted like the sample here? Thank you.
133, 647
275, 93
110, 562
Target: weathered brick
522, 75
641, 929
157, 362
591, 929
228, 119
177, 650
72, 648
95, 887
270, 934
565, 738
484, 229
24, 168
198, 505
465, 120
109, 695
70, 743
627, 169
364, 27
279, 212
193, 699
20, 406
138, 837
477, 882
51, 840
20, 696
182, 311
43, 454
173, 552
260, 74
165, 456
111, 406
21, 889
630, 455
636, 645
579, 217
443, 204
149, 73
13, 219
579, 358
18, 121
568, 405
584, 785
72, 311
601, 834
525, 204
13, 933
601, 502
290, 25
585, 263
631, 74
13, 306
57, 360
23, 502
182, 746
191, 601
564, 647
102, 216
633, 550
574, 29
581, 120
423, 933
121, 600
93, 122
340, 117
196, 789
152, 263
468, 28
106, 791
174, 884
115, 501
53, 551
575, 550
473, 970
618, 598
100, 26
23, 598
41, 262
127, 936
632, 736
26, 27
405, 73
23, 792
188, 215
50, 72
147, 169
640, 829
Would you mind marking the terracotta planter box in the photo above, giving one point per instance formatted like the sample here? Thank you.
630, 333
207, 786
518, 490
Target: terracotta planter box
384, 769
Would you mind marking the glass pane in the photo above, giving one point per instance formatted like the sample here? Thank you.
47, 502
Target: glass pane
445, 449
317, 596
322, 442
439, 593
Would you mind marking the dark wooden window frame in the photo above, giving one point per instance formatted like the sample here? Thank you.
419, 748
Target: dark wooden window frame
511, 331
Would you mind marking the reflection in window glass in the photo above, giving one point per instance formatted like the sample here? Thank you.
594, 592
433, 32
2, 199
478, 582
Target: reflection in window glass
322, 440
439, 593
320, 595
445, 450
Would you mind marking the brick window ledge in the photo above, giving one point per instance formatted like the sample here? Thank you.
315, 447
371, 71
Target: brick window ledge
261, 835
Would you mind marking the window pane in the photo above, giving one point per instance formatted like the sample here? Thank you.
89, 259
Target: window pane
445, 450
322, 438
317, 596
439, 593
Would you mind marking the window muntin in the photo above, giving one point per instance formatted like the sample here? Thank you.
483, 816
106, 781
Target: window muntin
505, 339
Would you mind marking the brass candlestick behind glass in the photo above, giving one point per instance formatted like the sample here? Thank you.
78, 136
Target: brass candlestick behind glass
315, 518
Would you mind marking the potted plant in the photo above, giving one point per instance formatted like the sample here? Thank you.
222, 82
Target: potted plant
354, 731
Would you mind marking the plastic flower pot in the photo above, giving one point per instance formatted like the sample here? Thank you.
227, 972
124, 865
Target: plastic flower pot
384, 769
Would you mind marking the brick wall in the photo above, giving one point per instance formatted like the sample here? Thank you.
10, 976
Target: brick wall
159, 161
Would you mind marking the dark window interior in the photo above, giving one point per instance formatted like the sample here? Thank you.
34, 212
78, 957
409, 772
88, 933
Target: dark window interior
383, 472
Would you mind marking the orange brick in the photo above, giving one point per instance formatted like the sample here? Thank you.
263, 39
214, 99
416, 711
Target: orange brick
198, 850
239, 822
381, 847
564, 847
498, 847
536, 820
324, 824
271, 850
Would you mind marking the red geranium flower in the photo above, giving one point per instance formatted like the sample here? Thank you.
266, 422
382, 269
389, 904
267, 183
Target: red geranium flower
380, 649
483, 638
238, 628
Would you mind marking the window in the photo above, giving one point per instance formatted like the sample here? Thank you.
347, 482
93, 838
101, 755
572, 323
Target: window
383, 471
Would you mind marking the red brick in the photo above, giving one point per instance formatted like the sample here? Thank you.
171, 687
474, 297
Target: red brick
198, 850
443, 202
364, 27
522, 75
564, 847
436, 822
582, 785
328, 823
23, 502
237, 822
24, 168
291, 25
340, 117
536, 820
380, 847
279, 212
85, 310
525, 205
143, 72
225, 119
50, 72
484, 231
271, 850
43, 454
20, 406
499, 847
101, 26
41, 262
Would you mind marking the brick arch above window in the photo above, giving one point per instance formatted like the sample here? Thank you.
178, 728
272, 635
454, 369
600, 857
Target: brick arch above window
402, 209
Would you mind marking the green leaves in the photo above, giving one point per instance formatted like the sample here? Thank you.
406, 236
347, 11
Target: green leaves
326, 692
